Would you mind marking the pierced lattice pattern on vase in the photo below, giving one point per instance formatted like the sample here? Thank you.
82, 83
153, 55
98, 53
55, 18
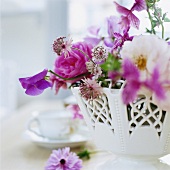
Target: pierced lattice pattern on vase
144, 112
99, 111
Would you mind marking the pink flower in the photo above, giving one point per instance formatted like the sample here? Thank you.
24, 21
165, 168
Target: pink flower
155, 85
128, 17
57, 83
163, 104
63, 159
120, 39
73, 65
94, 38
90, 89
133, 83
74, 108
60, 46
139, 5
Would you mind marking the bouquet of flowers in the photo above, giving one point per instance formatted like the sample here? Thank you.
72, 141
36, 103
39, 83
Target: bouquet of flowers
141, 62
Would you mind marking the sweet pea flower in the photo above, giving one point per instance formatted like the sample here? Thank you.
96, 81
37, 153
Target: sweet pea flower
128, 18
120, 39
139, 5
36, 84
93, 38
135, 86
133, 83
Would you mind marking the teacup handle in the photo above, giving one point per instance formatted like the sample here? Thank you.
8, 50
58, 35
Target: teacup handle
29, 127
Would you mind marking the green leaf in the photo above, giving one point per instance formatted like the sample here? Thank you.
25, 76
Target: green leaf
164, 16
148, 31
112, 63
166, 20
84, 154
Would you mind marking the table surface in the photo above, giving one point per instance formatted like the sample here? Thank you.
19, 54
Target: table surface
20, 154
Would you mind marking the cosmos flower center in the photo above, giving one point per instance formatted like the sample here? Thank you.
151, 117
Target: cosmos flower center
62, 161
140, 62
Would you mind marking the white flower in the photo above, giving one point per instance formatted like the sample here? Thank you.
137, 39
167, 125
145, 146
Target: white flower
148, 52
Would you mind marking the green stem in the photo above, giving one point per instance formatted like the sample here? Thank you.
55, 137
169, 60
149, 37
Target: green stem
160, 21
150, 18
72, 78
162, 30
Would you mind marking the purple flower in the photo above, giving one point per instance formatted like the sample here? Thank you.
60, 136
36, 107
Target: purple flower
139, 5
155, 85
133, 84
63, 159
128, 17
36, 84
113, 25
76, 111
75, 63
93, 38
120, 39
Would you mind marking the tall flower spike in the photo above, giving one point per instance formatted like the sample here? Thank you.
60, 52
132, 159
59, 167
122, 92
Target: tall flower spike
60, 46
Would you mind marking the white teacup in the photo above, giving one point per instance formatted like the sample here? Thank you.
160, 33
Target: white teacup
51, 124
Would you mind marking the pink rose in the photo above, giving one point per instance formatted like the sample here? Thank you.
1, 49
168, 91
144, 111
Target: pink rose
74, 64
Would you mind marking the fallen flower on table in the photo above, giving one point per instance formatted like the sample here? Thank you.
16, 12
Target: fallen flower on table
63, 159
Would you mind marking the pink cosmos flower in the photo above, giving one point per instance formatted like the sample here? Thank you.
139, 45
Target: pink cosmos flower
90, 89
63, 159
73, 65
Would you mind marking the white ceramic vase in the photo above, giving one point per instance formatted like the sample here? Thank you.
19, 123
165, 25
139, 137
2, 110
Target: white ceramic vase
138, 134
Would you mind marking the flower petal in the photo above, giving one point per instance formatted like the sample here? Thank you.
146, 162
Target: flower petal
43, 84
37, 77
33, 90
121, 9
139, 5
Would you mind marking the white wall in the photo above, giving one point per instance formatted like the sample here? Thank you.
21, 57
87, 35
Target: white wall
27, 34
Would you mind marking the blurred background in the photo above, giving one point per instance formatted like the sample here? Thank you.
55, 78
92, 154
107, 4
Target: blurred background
28, 29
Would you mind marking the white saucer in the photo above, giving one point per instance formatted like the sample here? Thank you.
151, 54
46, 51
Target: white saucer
75, 140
